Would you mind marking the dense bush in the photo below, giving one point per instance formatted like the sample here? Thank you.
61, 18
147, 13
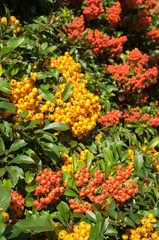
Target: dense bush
79, 120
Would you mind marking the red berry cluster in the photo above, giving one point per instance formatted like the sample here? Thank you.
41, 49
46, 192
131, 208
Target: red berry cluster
75, 28
154, 121
133, 115
113, 14
80, 208
116, 45
130, 4
49, 187
98, 40
101, 42
137, 63
110, 118
17, 203
153, 34
149, 4
143, 100
113, 186
99, 189
83, 176
145, 117
144, 20
93, 10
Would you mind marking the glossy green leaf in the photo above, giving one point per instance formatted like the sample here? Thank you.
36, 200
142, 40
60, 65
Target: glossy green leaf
5, 197
67, 92
36, 223
2, 146
5, 86
64, 209
129, 222
7, 105
138, 162
23, 159
56, 126
47, 95
19, 143
153, 143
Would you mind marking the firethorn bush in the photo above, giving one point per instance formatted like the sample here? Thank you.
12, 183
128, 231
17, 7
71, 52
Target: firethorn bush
79, 120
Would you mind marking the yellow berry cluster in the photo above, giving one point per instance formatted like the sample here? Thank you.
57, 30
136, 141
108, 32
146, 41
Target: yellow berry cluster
145, 232
155, 161
80, 232
82, 109
68, 167
131, 157
13, 21
24, 97
98, 136
5, 216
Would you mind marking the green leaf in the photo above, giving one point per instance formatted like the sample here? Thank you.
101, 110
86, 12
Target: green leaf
73, 144
111, 212
67, 92
30, 124
36, 223
88, 159
29, 176
2, 238
91, 216
70, 192
135, 218
7, 183
5, 197
31, 187
129, 222
2, 228
13, 175
74, 161
23, 159
47, 95
56, 126
105, 225
108, 158
66, 176
94, 233
111, 232
8, 106
64, 210
154, 142
29, 201
5, 86
15, 42
19, 143
2, 146
138, 162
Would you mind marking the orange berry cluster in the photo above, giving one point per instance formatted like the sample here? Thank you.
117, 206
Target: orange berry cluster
50, 185
13, 21
109, 186
80, 208
82, 109
93, 10
80, 232
145, 232
17, 203
92, 186
113, 14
